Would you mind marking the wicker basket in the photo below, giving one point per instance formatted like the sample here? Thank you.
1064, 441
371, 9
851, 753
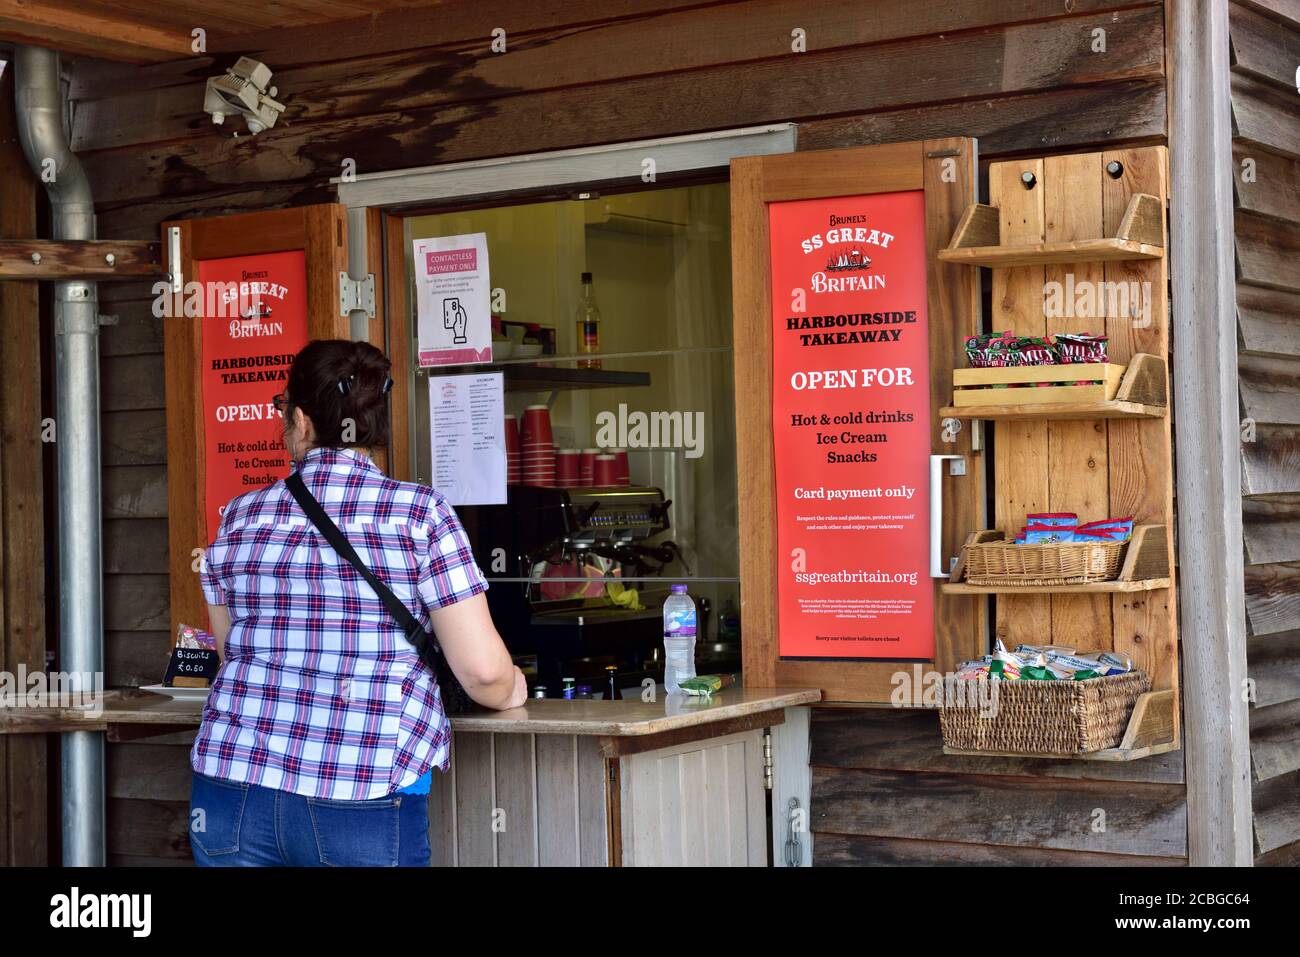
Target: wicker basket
1045, 717
1070, 563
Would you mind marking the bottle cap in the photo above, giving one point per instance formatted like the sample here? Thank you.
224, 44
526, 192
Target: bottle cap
679, 589
586, 276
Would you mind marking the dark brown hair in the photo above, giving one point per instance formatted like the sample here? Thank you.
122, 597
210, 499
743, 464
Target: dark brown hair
333, 380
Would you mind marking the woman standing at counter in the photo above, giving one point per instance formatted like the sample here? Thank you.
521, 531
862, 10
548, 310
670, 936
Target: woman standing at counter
323, 724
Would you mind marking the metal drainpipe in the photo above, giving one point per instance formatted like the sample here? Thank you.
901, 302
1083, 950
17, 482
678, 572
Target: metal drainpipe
40, 111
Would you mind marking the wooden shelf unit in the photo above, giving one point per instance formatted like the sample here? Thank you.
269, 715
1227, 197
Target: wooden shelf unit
1152, 729
1141, 394
1063, 222
978, 240
1145, 568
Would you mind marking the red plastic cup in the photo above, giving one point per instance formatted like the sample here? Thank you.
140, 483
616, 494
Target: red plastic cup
604, 472
512, 434
586, 466
536, 427
566, 467
622, 472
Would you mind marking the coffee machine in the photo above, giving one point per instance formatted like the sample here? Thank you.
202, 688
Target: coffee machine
561, 562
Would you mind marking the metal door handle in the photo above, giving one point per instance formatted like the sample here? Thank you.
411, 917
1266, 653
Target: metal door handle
937, 569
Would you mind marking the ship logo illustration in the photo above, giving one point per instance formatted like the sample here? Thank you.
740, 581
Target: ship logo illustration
854, 259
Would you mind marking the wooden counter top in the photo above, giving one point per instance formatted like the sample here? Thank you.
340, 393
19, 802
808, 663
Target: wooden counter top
632, 716
130, 713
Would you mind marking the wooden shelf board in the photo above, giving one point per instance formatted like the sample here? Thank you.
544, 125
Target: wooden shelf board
1064, 411
1037, 254
1089, 588
1110, 754
544, 378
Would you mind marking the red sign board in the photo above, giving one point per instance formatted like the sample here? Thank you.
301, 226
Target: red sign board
254, 323
851, 427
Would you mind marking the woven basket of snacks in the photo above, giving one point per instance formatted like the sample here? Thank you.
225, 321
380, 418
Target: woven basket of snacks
1066, 563
1041, 701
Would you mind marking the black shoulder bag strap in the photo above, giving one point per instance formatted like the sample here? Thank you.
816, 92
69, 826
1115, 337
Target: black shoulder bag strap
454, 697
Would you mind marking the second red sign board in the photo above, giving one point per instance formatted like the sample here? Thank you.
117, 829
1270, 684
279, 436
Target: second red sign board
851, 427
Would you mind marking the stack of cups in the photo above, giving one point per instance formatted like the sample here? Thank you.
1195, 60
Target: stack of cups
538, 446
514, 468
567, 468
587, 467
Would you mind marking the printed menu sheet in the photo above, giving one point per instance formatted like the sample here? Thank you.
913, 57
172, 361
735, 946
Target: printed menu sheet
467, 432
851, 427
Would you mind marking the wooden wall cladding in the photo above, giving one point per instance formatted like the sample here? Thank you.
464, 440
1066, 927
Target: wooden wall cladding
404, 89
885, 793
1265, 41
24, 823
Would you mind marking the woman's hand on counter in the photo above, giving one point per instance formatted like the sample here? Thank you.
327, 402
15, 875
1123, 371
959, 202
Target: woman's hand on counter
477, 655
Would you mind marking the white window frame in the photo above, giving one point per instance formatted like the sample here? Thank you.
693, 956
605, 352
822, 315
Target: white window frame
533, 171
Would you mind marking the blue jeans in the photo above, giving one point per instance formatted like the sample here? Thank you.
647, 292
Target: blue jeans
244, 825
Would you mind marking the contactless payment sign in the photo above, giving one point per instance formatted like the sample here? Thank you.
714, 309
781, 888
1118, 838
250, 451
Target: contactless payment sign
851, 427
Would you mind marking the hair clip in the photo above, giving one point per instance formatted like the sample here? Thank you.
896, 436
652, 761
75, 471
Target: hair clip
388, 385
345, 384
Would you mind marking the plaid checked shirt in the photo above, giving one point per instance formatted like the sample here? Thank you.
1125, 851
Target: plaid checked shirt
320, 692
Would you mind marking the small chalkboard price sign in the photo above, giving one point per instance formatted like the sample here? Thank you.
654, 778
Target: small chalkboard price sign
194, 660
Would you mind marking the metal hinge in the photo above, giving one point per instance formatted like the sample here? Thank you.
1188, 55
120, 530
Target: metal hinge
767, 760
356, 294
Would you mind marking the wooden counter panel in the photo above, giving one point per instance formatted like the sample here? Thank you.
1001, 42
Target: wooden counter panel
134, 713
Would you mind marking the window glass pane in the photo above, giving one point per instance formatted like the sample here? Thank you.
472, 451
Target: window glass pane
659, 384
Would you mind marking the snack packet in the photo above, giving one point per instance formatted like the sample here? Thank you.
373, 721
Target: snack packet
1036, 673
1077, 347
1044, 649
705, 685
1117, 529
1048, 535
1068, 665
1053, 519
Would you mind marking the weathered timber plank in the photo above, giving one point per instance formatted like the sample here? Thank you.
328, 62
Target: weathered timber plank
135, 546
131, 382
1268, 252
1270, 462
1273, 664
1271, 529
149, 828
889, 739
137, 491
1032, 56
1273, 598
136, 603
1268, 321
135, 658
140, 770
843, 850
134, 438
1275, 740
1267, 184
1262, 49
1277, 812
1264, 116
415, 78
1270, 389
1141, 819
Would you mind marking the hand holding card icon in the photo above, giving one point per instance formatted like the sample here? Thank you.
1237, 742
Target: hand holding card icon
455, 318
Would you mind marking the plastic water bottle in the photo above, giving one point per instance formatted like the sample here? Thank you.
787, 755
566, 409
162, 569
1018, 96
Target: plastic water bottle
679, 639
